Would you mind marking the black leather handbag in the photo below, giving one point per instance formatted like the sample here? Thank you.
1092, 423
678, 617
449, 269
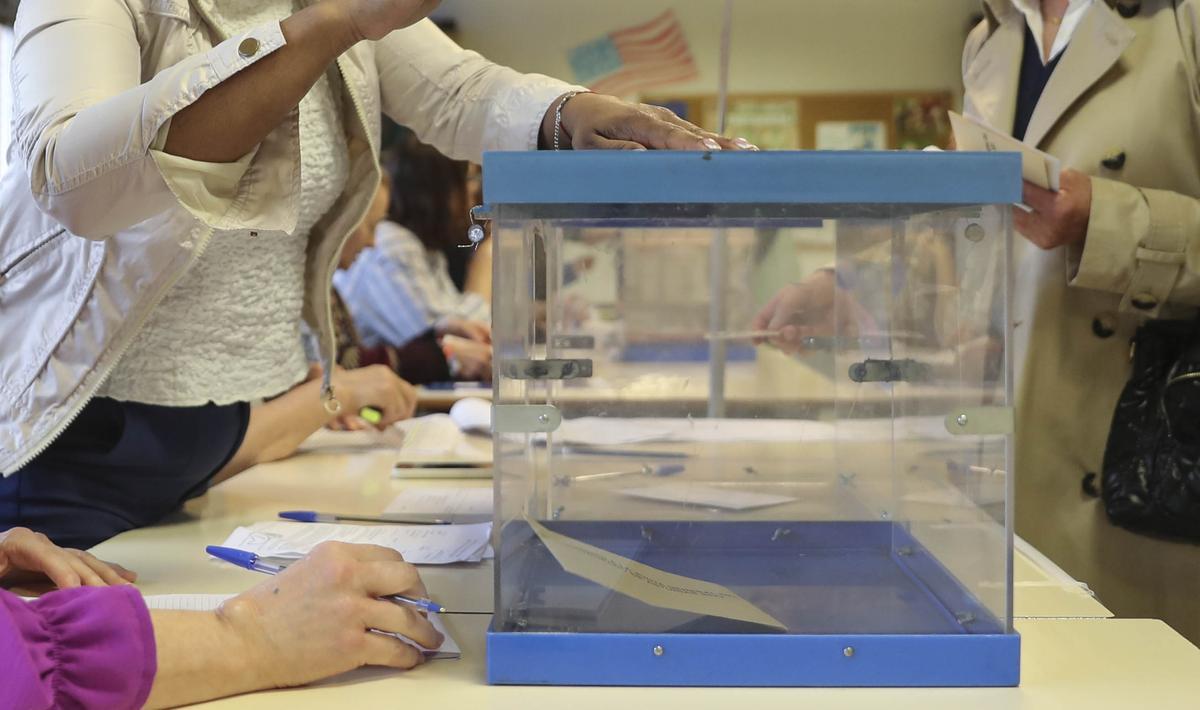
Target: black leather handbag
1150, 482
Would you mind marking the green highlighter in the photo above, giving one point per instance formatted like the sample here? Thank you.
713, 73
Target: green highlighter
371, 415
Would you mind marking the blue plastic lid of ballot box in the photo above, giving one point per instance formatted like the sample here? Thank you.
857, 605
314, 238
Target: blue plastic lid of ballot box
783, 177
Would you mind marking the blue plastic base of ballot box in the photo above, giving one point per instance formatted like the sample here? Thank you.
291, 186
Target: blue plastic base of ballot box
865, 605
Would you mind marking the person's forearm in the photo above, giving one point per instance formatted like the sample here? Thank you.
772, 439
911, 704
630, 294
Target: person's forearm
201, 657
479, 272
278, 427
228, 121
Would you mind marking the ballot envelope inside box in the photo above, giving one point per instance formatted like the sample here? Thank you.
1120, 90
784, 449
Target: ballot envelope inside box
752, 418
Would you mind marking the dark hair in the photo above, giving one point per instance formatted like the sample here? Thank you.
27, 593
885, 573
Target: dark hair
427, 189
8, 11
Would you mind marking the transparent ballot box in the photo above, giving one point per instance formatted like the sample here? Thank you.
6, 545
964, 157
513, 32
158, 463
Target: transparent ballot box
752, 418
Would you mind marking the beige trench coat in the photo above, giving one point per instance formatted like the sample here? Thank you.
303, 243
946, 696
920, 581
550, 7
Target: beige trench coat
1124, 107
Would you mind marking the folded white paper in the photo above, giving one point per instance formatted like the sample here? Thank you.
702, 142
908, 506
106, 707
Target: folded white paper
442, 502
1037, 167
419, 544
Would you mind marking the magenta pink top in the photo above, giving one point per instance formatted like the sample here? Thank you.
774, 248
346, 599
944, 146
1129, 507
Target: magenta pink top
91, 647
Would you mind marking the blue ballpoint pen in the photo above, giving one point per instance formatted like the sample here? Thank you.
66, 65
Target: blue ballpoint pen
275, 565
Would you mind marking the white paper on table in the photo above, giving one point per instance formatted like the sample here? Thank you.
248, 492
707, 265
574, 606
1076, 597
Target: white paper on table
419, 544
609, 431
433, 437
437, 436
442, 502
209, 602
329, 441
706, 496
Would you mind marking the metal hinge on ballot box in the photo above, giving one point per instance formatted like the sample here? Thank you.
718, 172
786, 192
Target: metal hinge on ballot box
889, 371
525, 418
556, 369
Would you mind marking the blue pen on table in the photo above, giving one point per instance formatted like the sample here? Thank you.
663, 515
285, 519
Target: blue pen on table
275, 565
312, 516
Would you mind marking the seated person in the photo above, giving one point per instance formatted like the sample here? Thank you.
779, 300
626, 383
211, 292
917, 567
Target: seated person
401, 289
99, 646
451, 348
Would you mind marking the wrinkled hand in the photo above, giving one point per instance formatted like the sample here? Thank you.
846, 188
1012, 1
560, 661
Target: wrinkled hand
477, 331
1058, 218
814, 308
474, 359
27, 555
314, 620
375, 386
376, 19
606, 122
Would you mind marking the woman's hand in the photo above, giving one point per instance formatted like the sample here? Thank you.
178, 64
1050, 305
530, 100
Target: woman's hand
477, 331
473, 359
376, 19
600, 121
814, 308
1058, 218
378, 387
24, 551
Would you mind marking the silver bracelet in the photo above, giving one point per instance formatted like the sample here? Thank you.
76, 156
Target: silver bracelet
558, 124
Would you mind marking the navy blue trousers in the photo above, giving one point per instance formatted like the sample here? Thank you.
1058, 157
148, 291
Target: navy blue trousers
120, 466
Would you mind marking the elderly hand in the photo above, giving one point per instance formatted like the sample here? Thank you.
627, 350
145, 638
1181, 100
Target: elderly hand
317, 617
606, 122
24, 551
1058, 218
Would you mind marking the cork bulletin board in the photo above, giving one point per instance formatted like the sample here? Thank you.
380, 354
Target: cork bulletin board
849, 121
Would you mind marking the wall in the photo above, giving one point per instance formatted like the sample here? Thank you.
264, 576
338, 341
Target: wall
779, 45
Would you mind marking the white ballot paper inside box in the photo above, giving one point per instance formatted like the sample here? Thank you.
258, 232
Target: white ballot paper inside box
648, 584
1037, 167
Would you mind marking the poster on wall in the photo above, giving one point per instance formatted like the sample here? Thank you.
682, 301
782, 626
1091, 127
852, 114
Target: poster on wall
769, 123
922, 121
852, 135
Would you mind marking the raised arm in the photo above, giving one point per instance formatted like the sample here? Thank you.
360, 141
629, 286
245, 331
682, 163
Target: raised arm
463, 104
102, 147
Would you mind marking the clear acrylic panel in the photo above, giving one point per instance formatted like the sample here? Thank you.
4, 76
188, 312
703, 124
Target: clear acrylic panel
828, 483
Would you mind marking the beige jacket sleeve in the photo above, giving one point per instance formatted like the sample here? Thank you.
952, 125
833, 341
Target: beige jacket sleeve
1142, 243
86, 127
456, 100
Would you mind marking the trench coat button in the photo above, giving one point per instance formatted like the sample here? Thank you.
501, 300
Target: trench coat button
1114, 160
249, 47
1104, 326
1144, 302
1128, 8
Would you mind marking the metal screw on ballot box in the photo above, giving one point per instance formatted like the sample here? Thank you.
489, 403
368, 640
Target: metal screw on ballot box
848, 652
658, 650
961, 420
974, 232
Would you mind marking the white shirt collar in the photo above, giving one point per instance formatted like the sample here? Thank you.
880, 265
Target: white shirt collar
1032, 9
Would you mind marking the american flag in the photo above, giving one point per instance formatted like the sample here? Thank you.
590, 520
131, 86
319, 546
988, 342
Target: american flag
636, 58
